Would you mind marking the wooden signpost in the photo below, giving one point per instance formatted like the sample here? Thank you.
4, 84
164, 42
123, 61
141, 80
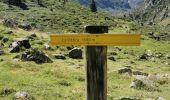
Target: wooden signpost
96, 43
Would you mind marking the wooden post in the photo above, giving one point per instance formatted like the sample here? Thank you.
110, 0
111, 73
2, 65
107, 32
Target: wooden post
96, 67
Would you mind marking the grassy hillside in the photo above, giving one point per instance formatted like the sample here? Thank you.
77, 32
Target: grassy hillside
55, 17
65, 79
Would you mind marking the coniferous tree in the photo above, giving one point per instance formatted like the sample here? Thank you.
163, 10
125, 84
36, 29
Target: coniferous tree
93, 6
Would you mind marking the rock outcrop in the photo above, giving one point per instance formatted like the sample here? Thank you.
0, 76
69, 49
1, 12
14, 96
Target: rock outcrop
35, 55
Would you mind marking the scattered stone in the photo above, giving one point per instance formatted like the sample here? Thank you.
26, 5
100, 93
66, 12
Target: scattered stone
14, 47
22, 95
9, 23
118, 49
114, 53
23, 42
35, 55
143, 57
139, 73
161, 79
158, 55
59, 56
154, 76
137, 84
146, 55
18, 44
112, 58
165, 36
47, 47
159, 98
125, 70
6, 91
142, 83
75, 53
126, 98
25, 26
16, 60
158, 37
149, 55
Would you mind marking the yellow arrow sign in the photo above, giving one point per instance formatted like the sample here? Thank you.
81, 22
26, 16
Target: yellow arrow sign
96, 39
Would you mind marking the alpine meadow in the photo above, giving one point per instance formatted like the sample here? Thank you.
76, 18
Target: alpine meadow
33, 69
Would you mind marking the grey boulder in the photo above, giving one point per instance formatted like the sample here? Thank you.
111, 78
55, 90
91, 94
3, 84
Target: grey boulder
75, 53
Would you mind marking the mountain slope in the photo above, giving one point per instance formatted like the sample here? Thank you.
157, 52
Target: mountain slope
56, 16
114, 5
109, 4
135, 3
153, 10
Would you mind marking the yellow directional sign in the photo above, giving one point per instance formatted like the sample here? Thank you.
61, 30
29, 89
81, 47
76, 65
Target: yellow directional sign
96, 39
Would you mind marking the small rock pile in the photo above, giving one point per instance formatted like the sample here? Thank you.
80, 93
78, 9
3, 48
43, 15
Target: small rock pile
17, 45
158, 37
128, 70
25, 26
8, 22
144, 80
34, 55
142, 83
6, 91
150, 82
149, 55
21, 95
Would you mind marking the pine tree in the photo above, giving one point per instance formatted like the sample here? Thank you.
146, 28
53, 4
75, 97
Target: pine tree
93, 6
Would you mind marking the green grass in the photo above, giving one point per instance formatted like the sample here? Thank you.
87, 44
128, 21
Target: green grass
62, 80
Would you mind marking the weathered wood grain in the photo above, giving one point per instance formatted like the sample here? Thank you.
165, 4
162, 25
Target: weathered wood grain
96, 69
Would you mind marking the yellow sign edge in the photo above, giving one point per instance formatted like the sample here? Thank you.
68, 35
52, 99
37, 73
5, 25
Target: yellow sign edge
93, 44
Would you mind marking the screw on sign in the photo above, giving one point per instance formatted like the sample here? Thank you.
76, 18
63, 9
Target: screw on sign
96, 43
